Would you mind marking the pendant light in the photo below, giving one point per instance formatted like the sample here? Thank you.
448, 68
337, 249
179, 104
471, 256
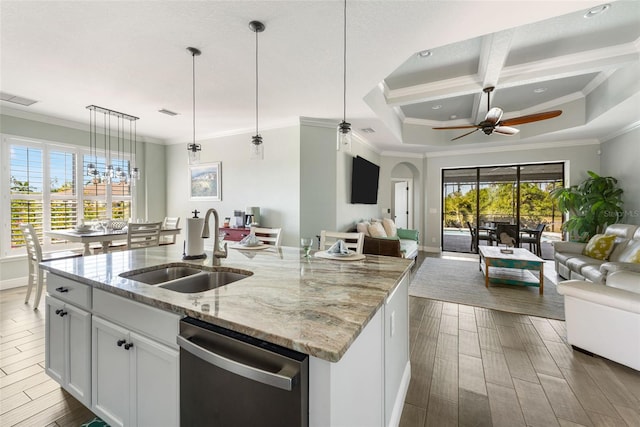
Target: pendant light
344, 128
108, 174
134, 174
92, 169
194, 149
257, 147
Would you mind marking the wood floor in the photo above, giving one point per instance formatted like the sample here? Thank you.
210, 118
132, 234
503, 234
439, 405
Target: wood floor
470, 366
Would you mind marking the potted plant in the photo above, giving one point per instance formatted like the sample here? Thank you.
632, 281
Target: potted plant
592, 206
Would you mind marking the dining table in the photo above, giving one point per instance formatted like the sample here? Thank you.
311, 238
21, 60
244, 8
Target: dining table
104, 237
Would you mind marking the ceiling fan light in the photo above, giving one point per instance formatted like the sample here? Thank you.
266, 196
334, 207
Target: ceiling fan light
505, 130
494, 115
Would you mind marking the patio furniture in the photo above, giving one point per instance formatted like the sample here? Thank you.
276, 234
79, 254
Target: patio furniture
532, 237
477, 235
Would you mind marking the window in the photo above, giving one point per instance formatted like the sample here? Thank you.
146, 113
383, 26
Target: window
50, 189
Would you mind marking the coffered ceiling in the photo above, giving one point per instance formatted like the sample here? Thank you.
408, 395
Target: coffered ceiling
131, 56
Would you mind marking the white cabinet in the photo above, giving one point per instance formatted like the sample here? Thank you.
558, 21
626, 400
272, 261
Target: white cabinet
68, 347
135, 378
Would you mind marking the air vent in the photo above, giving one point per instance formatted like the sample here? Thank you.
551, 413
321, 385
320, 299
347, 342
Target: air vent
17, 99
167, 112
367, 130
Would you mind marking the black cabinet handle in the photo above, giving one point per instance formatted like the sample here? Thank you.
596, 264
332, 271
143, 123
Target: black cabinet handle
63, 313
128, 345
58, 311
62, 289
120, 342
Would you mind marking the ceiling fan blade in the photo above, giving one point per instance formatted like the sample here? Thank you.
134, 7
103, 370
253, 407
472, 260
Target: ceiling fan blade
468, 133
505, 130
493, 116
531, 118
456, 127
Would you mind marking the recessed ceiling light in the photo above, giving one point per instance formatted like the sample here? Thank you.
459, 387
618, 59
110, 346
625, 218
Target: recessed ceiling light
453, 116
167, 112
540, 90
368, 130
597, 10
424, 53
436, 107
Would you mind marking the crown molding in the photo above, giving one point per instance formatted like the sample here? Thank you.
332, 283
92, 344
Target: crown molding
620, 132
519, 147
410, 155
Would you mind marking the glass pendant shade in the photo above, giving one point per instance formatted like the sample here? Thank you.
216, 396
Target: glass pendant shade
108, 174
344, 137
91, 169
257, 148
194, 153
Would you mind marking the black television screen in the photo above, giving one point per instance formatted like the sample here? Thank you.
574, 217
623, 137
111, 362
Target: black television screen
364, 181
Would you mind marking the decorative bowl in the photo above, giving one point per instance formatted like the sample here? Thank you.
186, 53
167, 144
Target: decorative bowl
118, 225
83, 227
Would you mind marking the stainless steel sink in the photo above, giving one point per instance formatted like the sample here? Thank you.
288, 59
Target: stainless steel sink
162, 274
186, 278
203, 281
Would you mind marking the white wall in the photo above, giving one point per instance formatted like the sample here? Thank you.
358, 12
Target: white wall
273, 184
620, 159
579, 158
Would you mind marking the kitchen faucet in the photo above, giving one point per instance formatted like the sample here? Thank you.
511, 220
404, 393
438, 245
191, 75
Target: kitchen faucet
217, 254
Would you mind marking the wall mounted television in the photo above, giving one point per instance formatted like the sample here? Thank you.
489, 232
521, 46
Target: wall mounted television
364, 181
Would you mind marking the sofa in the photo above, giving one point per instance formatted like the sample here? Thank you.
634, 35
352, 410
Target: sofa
572, 263
605, 319
382, 237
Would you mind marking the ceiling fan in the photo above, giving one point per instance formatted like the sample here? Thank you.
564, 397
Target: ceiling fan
493, 123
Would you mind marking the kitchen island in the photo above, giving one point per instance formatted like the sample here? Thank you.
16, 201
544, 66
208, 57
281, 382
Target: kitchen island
349, 316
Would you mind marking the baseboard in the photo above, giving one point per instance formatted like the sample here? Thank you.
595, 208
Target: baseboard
13, 283
398, 405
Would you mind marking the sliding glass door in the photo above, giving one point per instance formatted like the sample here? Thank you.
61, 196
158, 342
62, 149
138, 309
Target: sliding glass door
476, 199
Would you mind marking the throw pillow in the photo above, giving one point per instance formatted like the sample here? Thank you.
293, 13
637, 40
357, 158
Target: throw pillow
377, 230
363, 227
600, 246
405, 233
631, 252
389, 227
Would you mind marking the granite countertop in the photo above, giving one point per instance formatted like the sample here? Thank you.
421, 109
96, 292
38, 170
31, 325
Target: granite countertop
315, 306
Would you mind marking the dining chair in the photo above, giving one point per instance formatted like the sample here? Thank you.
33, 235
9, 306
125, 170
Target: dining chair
34, 257
268, 236
353, 241
507, 234
476, 237
169, 222
143, 235
533, 238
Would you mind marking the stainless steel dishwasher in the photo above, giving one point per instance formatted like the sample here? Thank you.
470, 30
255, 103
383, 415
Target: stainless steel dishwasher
229, 379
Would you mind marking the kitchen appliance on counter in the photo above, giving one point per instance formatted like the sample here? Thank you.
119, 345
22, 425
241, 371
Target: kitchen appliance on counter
252, 216
238, 219
231, 379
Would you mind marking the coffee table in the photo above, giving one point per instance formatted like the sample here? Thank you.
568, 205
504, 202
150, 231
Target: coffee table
511, 268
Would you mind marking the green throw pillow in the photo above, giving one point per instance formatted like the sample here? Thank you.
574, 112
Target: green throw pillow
404, 233
600, 246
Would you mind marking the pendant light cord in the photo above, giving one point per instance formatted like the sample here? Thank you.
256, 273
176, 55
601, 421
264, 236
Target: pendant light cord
344, 62
256, 82
193, 69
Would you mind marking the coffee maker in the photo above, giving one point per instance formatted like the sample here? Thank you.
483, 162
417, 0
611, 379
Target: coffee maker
238, 219
252, 216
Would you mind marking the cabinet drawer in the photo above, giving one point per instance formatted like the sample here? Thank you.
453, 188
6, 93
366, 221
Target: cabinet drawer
149, 321
69, 290
235, 234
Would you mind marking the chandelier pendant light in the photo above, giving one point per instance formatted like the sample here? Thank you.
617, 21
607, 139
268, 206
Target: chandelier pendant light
193, 148
134, 173
92, 169
344, 128
109, 172
257, 147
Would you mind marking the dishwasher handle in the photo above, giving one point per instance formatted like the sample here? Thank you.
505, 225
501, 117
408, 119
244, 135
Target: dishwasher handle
284, 379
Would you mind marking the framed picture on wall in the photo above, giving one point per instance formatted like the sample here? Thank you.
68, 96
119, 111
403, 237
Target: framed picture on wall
205, 182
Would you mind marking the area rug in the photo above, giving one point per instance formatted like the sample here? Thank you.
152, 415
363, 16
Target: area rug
459, 281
